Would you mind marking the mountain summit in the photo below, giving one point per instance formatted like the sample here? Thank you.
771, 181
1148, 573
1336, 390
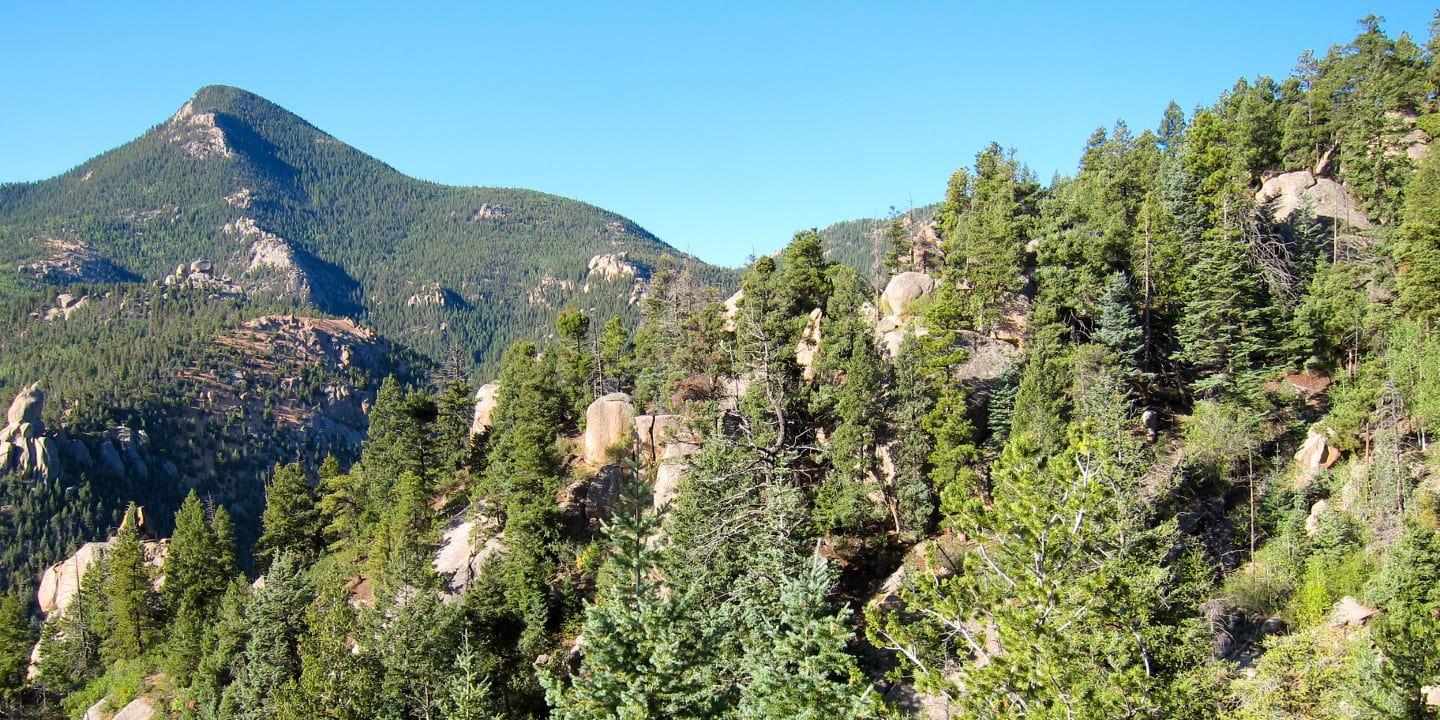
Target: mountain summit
235, 194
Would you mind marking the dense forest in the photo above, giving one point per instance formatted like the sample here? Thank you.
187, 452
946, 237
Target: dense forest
1154, 440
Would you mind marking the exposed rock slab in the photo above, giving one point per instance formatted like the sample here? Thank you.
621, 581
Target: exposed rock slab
138, 709
1288, 192
61, 581
1348, 612
457, 559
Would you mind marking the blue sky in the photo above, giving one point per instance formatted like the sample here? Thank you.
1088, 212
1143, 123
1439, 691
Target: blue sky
721, 127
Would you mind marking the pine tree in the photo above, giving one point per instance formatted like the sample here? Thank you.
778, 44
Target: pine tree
799, 668
638, 661
133, 606
16, 639
1418, 251
290, 523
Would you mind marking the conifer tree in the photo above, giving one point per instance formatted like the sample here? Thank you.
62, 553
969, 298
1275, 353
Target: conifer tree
267, 668
637, 660
290, 523
132, 605
16, 639
1418, 251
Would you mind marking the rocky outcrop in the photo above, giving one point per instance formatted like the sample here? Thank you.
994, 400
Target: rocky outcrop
458, 559
138, 709
65, 305
486, 398
200, 275
430, 295
609, 267
197, 133
809, 345
664, 442
61, 581
1288, 192
1312, 521
1350, 613
23, 445
609, 421
592, 499
71, 261
1014, 318
1315, 455
904, 291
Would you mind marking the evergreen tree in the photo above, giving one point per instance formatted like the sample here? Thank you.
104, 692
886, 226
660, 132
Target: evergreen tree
290, 523
16, 639
267, 668
1418, 251
1408, 589
638, 659
800, 667
132, 605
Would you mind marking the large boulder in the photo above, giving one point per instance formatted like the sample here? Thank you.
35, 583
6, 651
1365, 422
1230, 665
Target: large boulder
1287, 192
138, 709
1316, 454
46, 459
904, 290
609, 420
653, 432
486, 398
1349, 612
664, 441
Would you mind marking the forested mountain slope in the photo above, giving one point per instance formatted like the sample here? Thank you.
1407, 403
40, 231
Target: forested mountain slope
1154, 441
278, 205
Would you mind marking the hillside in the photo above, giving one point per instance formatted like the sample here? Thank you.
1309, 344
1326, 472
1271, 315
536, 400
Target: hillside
1153, 441
284, 209
863, 244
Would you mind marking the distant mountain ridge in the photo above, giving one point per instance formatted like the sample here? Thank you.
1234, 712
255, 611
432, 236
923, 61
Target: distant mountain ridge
277, 206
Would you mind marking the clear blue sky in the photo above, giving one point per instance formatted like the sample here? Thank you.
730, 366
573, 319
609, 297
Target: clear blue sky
721, 127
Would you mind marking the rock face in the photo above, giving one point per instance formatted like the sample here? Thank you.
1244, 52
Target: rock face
1288, 192
27, 406
609, 267
1315, 455
59, 584
1312, 522
1348, 612
457, 559
61, 581
904, 290
608, 421
486, 398
809, 345
23, 445
664, 443
1014, 318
